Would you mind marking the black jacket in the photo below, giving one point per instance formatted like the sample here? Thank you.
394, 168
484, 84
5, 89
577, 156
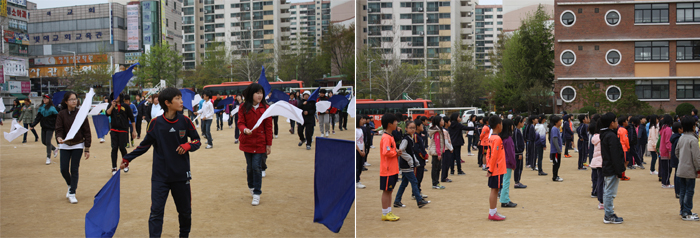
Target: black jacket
632, 136
310, 108
642, 135
216, 106
518, 142
674, 142
139, 109
582, 132
611, 151
121, 117
568, 134
455, 131
403, 164
48, 122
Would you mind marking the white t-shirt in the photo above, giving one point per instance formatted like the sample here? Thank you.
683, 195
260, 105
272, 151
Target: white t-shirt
72, 147
470, 124
156, 111
359, 139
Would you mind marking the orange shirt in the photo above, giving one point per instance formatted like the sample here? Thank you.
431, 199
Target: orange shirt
624, 140
484, 137
497, 156
389, 163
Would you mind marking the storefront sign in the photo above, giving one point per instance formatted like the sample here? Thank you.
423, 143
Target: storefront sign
57, 71
80, 59
16, 67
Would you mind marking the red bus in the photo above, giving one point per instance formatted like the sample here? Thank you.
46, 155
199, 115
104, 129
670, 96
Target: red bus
377, 108
236, 88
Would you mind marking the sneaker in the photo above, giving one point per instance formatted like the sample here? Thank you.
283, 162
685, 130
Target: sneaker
55, 152
422, 203
360, 185
229, 127
631, 167
551, 161
644, 162
667, 186
102, 140
528, 166
256, 200
68, 192
509, 204
653, 172
593, 195
576, 150
612, 219
461, 161
300, 143
461, 173
333, 132
497, 217
690, 217
114, 171
542, 174
601, 206
72, 199
208, 147
584, 168
520, 185
390, 217
423, 195
625, 178
558, 179
367, 164
585, 164
567, 156
48, 160
326, 134
251, 191
263, 173
364, 169
126, 169
438, 187
275, 136
341, 129
470, 154
641, 166
447, 180
236, 142
399, 205
678, 196
308, 147
371, 147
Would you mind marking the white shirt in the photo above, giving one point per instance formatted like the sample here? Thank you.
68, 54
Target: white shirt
541, 129
207, 110
71, 147
156, 111
470, 124
359, 139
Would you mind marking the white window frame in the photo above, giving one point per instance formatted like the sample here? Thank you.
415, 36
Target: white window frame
608, 89
561, 60
605, 17
562, 22
561, 92
606, 57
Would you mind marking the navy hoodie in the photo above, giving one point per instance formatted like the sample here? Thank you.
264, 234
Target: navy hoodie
518, 142
674, 142
165, 136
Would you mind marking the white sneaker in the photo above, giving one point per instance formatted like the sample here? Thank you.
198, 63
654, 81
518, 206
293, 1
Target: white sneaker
72, 199
68, 192
360, 185
208, 147
470, 154
114, 171
229, 127
275, 136
667, 186
102, 140
371, 146
251, 191
367, 164
55, 152
576, 150
126, 169
653, 172
48, 160
326, 134
256, 200
263, 173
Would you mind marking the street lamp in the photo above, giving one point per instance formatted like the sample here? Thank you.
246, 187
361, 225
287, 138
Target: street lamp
370, 79
74, 58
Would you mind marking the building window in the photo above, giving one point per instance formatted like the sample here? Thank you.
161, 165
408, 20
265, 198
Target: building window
687, 89
651, 89
650, 50
613, 57
688, 50
688, 12
613, 93
567, 58
612, 18
651, 13
568, 94
568, 18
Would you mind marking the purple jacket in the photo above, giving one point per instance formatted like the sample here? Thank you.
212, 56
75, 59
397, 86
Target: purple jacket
509, 148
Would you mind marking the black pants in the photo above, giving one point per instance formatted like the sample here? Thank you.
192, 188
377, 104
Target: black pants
480, 156
582, 152
274, 123
308, 130
46, 138
567, 145
237, 133
230, 120
517, 174
292, 123
556, 160
70, 164
665, 171
435, 170
530, 154
539, 150
343, 120
598, 183
420, 172
138, 126
641, 148
219, 121
36, 137
182, 197
636, 159
358, 166
447, 159
119, 140
457, 155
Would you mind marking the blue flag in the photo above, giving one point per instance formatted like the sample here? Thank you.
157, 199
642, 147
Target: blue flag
278, 95
264, 83
334, 183
225, 101
218, 110
339, 101
119, 80
103, 217
187, 97
101, 123
314, 95
57, 98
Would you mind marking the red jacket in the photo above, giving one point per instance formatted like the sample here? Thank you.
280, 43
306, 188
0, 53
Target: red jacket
261, 136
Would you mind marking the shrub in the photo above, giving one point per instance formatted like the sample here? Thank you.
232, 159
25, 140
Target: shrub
588, 109
684, 109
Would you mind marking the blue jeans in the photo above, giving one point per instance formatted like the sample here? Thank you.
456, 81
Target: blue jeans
687, 190
408, 177
470, 143
505, 198
610, 193
219, 121
206, 130
254, 171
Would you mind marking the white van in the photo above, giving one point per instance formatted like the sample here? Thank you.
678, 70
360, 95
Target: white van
468, 113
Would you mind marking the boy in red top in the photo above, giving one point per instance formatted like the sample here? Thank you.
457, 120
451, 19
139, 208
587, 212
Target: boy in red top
388, 165
484, 143
497, 166
624, 140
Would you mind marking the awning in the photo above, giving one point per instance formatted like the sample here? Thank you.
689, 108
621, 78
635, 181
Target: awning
19, 96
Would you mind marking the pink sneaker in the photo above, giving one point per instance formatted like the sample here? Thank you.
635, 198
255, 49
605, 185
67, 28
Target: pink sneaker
497, 217
600, 206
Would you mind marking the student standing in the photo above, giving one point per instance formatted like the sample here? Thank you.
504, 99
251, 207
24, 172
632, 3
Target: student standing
455, 130
174, 137
652, 141
421, 154
497, 166
436, 149
236, 103
556, 142
140, 107
484, 142
642, 137
582, 132
540, 144
597, 179
688, 154
47, 117
448, 156
677, 132
665, 151
519, 147
27, 116
359, 150
506, 136
407, 163
388, 165
470, 134
134, 111
306, 130
120, 121
71, 150
324, 119
207, 111
624, 141
257, 143
530, 140
568, 135
613, 165
292, 100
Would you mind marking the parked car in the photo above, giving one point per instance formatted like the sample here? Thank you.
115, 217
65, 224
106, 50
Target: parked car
468, 113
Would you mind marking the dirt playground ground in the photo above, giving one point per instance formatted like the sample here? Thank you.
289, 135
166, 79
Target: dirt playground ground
545, 208
33, 203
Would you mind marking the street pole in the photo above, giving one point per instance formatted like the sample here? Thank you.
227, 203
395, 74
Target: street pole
370, 79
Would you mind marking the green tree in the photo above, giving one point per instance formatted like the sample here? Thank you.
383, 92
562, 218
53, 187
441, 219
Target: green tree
339, 46
248, 66
162, 62
85, 77
467, 80
303, 62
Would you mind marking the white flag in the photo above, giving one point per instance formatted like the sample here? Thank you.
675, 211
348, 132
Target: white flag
82, 114
281, 108
2, 105
96, 110
196, 100
16, 130
337, 87
351, 108
225, 117
322, 106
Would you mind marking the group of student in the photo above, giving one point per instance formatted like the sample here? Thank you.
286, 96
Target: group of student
611, 144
